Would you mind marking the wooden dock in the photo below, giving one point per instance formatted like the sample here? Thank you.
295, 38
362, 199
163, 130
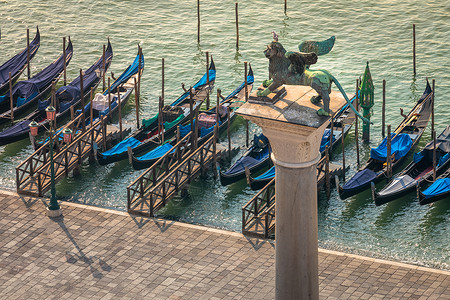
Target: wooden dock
258, 214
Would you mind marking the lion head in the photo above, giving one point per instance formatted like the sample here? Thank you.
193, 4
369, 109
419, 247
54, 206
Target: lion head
274, 49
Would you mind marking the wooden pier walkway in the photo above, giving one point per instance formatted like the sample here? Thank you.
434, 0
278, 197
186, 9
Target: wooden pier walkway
258, 214
170, 174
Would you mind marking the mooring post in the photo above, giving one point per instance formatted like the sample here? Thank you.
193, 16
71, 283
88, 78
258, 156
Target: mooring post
65, 63
285, 6
207, 80
356, 122
327, 171
178, 155
162, 78
140, 71
109, 94
432, 106
343, 153
11, 99
383, 109
388, 154
104, 66
136, 101
83, 120
214, 166
119, 106
198, 21
103, 124
217, 106
237, 25
91, 106
414, 49
28, 54
196, 129
191, 109
330, 144
161, 105
434, 155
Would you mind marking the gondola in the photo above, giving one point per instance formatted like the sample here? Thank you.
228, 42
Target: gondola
255, 158
124, 84
403, 141
205, 128
343, 121
17, 64
66, 96
27, 92
418, 172
178, 112
440, 189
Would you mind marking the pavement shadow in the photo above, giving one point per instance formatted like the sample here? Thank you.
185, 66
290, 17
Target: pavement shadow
162, 224
256, 242
79, 255
28, 200
140, 221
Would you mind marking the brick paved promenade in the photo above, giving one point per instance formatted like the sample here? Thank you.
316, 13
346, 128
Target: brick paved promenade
91, 253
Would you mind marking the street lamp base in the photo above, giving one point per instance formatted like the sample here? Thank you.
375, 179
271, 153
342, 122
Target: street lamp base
54, 213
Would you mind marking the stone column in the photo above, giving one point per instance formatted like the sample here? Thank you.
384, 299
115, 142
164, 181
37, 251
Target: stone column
290, 122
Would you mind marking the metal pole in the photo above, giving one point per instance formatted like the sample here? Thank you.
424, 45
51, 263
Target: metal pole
207, 80
237, 25
53, 202
414, 48
383, 109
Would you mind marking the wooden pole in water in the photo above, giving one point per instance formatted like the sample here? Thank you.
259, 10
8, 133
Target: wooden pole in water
109, 94
414, 48
91, 106
196, 129
434, 155
198, 21
161, 119
191, 108
28, 54
356, 122
162, 78
229, 132
11, 98
237, 25
327, 171
285, 6
140, 71
383, 109
103, 131
432, 107
136, 101
216, 130
104, 66
119, 106
343, 153
217, 106
207, 80
65, 63
82, 100
388, 154
332, 133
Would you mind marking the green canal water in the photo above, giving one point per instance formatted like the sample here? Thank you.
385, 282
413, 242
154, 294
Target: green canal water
376, 31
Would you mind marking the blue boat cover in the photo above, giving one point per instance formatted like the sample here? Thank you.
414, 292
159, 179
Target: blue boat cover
269, 174
157, 152
26, 90
17, 62
247, 161
400, 146
16, 129
443, 159
326, 139
185, 129
122, 146
360, 179
440, 186
69, 94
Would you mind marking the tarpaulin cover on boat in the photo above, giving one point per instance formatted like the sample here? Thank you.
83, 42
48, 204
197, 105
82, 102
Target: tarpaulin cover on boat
440, 186
16, 129
400, 146
326, 139
398, 184
359, 179
122, 146
247, 161
25, 90
157, 152
269, 174
17, 62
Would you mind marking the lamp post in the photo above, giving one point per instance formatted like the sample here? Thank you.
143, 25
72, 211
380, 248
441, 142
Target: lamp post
53, 210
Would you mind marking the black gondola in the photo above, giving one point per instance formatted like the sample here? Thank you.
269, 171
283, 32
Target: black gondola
440, 189
146, 137
404, 139
27, 92
17, 64
255, 158
343, 121
418, 172
65, 97
205, 131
